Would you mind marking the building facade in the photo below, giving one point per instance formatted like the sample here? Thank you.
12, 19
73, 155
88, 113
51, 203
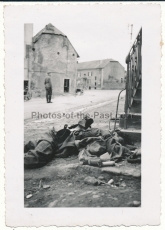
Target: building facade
101, 74
28, 34
52, 52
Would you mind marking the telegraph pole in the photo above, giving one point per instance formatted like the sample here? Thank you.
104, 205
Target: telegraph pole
130, 31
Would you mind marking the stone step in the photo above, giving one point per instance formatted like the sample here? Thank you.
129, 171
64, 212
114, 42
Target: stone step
137, 99
136, 106
132, 121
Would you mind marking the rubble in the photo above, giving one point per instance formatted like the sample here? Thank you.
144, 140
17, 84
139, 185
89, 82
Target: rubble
53, 204
96, 196
85, 193
40, 184
111, 181
91, 181
46, 186
123, 184
70, 184
78, 184
101, 178
29, 196
71, 193
136, 203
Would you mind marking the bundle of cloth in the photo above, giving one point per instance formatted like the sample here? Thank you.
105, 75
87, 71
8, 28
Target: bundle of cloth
80, 139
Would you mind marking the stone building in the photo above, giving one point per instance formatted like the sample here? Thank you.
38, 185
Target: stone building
101, 74
52, 52
28, 34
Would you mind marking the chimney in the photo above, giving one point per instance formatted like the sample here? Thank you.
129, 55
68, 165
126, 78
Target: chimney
28, 34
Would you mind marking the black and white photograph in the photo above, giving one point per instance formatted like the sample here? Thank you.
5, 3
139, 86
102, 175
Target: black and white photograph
94, 107
85, 103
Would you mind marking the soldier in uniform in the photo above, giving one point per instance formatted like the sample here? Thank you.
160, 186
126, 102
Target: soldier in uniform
48, 87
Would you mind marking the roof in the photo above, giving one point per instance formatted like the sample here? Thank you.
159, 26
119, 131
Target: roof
99, 64
50, 29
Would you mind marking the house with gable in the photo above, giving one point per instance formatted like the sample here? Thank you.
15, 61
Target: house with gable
51, 51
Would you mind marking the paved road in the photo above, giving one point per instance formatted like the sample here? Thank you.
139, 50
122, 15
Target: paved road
68, 102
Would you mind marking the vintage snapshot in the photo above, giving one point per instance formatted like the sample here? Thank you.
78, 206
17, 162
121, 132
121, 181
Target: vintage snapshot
84, 98
94, 107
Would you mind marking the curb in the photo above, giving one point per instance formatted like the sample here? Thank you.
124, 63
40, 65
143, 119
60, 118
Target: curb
65, 170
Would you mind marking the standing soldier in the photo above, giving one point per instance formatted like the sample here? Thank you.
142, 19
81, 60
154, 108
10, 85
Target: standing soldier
48, 87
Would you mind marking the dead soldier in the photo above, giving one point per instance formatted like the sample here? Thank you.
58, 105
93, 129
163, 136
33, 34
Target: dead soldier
39, 152
80, 139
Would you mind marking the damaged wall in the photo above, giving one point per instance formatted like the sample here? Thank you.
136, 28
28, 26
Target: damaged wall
111, 76
55, 54
114, 76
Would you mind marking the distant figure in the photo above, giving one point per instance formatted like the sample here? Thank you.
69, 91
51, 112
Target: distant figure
48, 87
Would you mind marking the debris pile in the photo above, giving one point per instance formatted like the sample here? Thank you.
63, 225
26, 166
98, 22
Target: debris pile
102, 181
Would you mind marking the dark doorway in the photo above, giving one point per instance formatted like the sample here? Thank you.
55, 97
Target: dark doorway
25, 83
66, 85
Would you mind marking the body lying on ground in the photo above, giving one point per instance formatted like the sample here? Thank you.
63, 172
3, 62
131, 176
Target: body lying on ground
84, 141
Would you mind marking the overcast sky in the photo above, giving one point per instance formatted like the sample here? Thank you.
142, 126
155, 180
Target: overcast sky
96, 31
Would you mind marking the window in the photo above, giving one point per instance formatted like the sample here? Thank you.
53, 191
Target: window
95, 83
78, 74
89, 74
58, 53
73, 54
95, 78
121, 80
84, 74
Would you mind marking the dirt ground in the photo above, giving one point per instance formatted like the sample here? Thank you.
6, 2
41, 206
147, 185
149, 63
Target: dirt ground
65, 184
66, 188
